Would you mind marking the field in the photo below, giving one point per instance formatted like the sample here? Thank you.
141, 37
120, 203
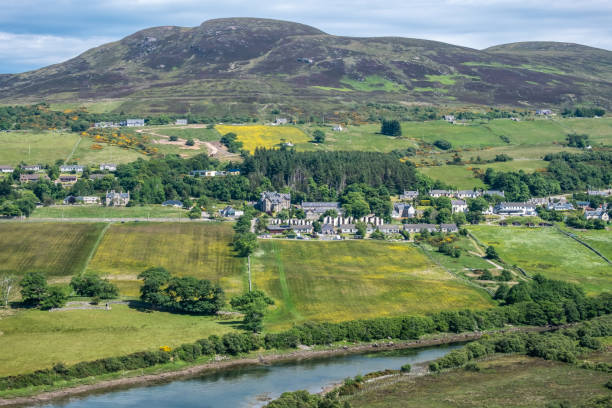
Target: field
194, 249
253, 136
38, 339
51, 248
191, 132
601, 240
547, 251
336, 281
98, 211
505, 381
457, 176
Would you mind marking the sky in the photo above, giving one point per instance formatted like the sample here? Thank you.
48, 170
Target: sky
37, 33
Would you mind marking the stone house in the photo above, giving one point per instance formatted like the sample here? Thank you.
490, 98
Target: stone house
271, 202
114, 199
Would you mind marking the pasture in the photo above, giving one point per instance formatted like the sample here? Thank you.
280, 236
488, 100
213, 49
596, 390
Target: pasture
39, 339
601, 240
54, 249
457, 176
99, 211
253, 136
503, 381
44, 147
337, 281
186, 249
199, 132
549, 252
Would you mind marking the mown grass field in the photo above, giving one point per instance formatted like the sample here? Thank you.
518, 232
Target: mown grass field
504, 381
200, 133
85, 154
55, 249
336, 281
355, 137
35, 339
458, 176
99, 211
547, 251
186, 249
253, 136
42, 147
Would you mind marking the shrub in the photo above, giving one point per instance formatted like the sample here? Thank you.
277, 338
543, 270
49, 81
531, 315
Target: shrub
406, 368
472, 366
443, 144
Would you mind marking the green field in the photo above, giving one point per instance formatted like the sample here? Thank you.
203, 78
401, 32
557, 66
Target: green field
98, 211
200, 133
36, 147
336, 281
38, 339
51, 248
549, 252
457, 176
194, 249
504, 381
601, 240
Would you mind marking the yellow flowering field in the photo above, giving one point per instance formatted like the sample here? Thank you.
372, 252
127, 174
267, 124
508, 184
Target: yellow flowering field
253, 136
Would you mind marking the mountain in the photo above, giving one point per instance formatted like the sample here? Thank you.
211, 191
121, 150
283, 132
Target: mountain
243, 64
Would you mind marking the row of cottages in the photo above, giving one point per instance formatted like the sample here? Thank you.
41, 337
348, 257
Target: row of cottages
6, 169
599, 214
417, 228
114, 199
87, 200
560, 206
401, 210
603, 193
32, 167
509, 208
214, 173
69, 168
463, 194
127, 123
368, 219
271, 202
292, 221
314, 210
459, 206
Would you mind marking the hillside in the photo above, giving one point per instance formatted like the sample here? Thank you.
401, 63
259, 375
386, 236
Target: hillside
252, 63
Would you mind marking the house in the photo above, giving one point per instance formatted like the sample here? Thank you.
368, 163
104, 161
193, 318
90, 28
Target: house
105, 124
583, 204
417, 228
280, 121
277, 229
69, 168
603, 193
98, 176
26, 178
537, 201
302, 229
347, 229
181, 122
494, 193
133, 122
204, 173
459, 206
401, 210
89, 199
173, 203
449, 118
66, 180
108, 167
271, 202
560, 206
449, 228
114, 199
6, 169
314, 210
468, 194
230, 212
598, 214
32, 167
233, 172
390, 228
543, 112
515, 209
409, 195
441, 193
328, 229
338, 128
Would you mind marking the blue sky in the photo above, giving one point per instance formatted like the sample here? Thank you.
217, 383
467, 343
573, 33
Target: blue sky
36, 33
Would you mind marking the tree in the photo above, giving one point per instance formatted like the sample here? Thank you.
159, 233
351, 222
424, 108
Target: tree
442, 144
7, 284
355, 204
245, 243
361, 229
33, 288
444, 216
391, 128
55, 297
253, 304
195, 213
491, 253
377, 235
319, 136
151, 290
92, 285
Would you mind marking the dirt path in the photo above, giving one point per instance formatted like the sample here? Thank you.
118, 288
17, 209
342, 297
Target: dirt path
261, 359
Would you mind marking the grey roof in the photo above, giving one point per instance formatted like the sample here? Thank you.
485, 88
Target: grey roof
448, 226
457, 202
318, 204
515, 204
275, 197
173, 202
419, 227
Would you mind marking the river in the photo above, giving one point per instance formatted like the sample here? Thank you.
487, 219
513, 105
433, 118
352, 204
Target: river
253, 386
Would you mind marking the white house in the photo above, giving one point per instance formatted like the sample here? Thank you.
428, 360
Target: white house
32, 167
67, 168
401, 210
89, 199
133, 122
468, 194
231, 212
459, 206
108, 166
515, 209
598, 214
6, 169
409, 195
181, 121
280, 121
338, 128
441, 193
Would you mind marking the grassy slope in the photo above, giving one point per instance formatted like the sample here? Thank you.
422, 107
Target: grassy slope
508, 381
53, 249
336, 281
547, 251
35, 147
97, 211
200, 250
38, 339
601, 240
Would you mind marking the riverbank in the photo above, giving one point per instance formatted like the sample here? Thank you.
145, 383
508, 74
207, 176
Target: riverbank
131, 379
